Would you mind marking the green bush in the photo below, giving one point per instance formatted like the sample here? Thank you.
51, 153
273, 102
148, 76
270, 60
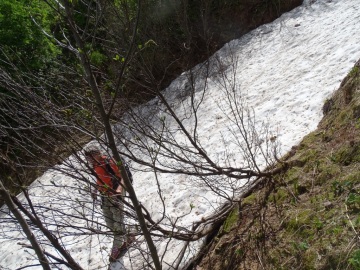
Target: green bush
354, 260
23, 42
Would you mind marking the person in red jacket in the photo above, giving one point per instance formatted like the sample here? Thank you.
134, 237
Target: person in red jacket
110, 187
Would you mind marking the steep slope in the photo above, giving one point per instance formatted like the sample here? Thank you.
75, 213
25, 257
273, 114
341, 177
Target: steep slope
308, 217
229, 20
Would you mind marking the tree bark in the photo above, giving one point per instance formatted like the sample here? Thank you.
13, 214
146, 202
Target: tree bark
109, 133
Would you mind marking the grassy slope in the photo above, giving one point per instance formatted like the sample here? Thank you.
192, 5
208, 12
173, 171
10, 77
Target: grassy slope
308, 217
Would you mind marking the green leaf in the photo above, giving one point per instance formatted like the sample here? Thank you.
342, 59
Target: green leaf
118, 163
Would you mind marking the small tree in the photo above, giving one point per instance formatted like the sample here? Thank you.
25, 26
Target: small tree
166, 136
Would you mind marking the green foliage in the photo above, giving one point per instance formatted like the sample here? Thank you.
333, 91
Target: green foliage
97, 58
348, 188
353, 199
341, 187
117, 58
23, 42
318, 223
301, 246
239, 252
354, 260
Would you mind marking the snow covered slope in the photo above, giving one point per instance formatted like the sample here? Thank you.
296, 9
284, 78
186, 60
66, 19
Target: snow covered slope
285, 71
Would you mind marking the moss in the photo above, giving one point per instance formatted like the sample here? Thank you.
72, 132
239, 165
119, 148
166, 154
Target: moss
292, 174
337, 260
309, 140
326, 172
275, 258
328, 106
279, 197
354, 71
318, 223
327, 135
355, 153
354, 178
343, 118
309, 157
335, 230
298, 219
356, 115
347, 154
231, 220
353, 201
309, 258
298, 188
249, 200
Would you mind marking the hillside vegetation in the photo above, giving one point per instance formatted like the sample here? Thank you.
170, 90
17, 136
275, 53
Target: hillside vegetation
308, 218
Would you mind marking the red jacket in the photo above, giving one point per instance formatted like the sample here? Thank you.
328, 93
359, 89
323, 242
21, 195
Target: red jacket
104, 178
